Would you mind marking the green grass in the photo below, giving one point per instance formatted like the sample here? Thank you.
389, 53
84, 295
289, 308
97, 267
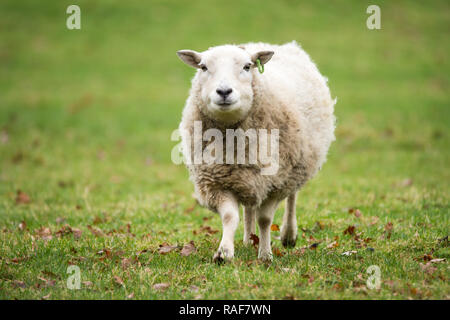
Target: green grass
85, 124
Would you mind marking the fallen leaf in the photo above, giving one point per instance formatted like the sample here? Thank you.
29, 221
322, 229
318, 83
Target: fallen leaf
319, 225
314, 246
166, 248
277, 252
374, 221
60, 220
87, 283
130, 296
437, 260
44, 233
22, 225
95, 231
349, 253
274, 227
76, 233
18, 284
125, 263
206, 229
332, 245
22, 197
118, 280
191, 208
47, 283
388, 226
160, 286
193, 288
350, 230
46, 297
255, 240
188, 248
406, 183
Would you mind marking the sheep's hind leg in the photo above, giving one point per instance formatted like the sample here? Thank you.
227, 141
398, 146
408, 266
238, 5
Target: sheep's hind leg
229, 212
249, 223
265, 218
289, 226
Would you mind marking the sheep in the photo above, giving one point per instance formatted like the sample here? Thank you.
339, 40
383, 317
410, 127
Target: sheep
231, 90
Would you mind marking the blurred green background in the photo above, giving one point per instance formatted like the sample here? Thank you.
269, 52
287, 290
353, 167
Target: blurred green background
86, 115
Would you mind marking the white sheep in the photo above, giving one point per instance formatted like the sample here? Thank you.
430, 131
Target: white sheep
228, 92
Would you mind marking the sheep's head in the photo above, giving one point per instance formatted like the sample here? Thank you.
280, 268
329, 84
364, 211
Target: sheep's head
225, 77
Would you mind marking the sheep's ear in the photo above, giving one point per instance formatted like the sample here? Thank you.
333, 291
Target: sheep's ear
263, 56
190, 57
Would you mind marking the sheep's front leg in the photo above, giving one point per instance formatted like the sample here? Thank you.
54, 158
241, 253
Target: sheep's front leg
289, 226
229, 212
265, 218
249, 223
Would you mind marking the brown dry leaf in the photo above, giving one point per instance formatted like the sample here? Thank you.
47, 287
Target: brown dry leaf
118, 280
428, 268
437, 260
206, 229
274, 227
60, 220
160, 286
65, 230
332, 245
18, 284
166, 248
22, 197
255, 240
350, 230
188, 248
388, 226
47, 283
277, 252
23, 225
105, 252
191, 208
406, 183
288, 270
96, 231
357, 213
314, 246
46, 297
320, 225
310, 278
193, 288
76, 233
125, 263
374, 221
44, 233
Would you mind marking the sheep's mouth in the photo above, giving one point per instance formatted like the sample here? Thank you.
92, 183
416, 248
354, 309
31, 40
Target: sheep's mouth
224, 103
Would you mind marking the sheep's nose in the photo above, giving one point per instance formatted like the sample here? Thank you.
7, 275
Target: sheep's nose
224, 92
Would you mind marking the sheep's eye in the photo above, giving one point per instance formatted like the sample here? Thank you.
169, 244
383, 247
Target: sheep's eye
247, 67
204, 68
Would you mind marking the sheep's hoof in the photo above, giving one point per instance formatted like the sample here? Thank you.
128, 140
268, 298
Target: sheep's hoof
221, 256
288, 238
266, 257
288, 242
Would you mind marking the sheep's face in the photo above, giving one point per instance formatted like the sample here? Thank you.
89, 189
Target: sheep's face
225, 78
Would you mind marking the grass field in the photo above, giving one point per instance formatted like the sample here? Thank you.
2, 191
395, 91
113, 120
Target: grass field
85, 123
